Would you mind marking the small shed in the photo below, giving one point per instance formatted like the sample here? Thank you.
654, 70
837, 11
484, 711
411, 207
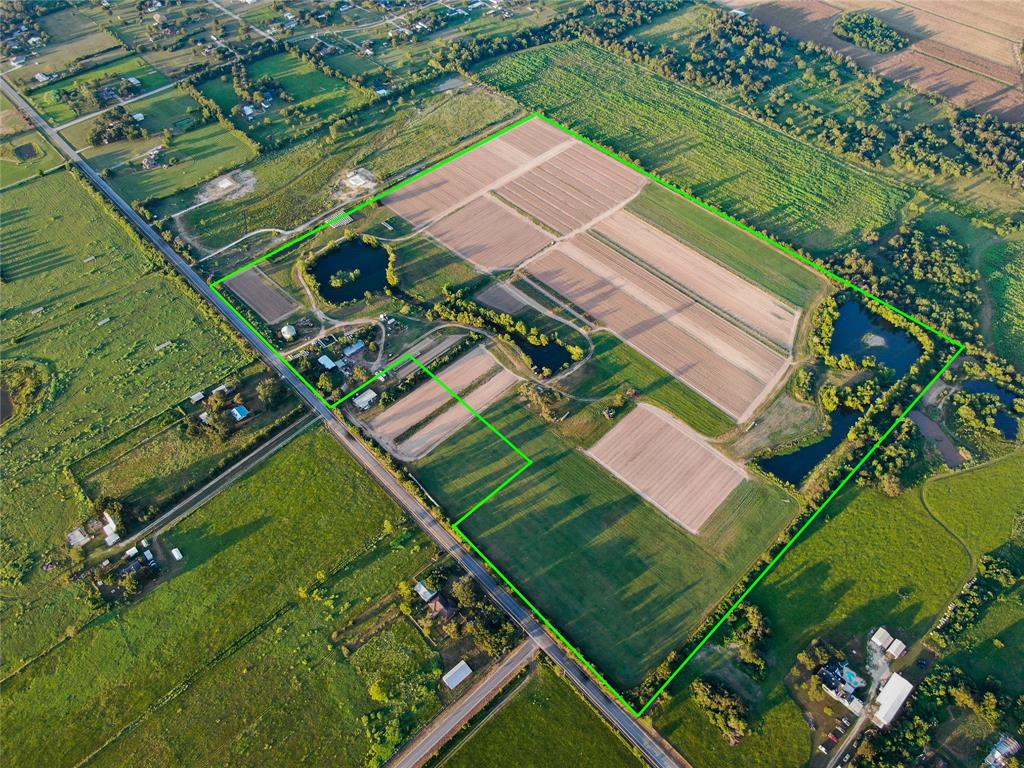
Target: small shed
326, 362
426, 593
197, 397
364, 399
176, 554
896, 649
240, 412
138, 117
456, 674
78, 538
881, 638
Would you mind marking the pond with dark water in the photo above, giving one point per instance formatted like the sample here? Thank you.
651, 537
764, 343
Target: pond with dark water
1007, 423
372, 264
858, 333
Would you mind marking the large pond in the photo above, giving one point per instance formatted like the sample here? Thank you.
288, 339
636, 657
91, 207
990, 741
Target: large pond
553, 356
1006, 422
858, 333
372, 264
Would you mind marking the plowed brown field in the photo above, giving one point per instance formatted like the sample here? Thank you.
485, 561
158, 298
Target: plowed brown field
668, 464
490, 234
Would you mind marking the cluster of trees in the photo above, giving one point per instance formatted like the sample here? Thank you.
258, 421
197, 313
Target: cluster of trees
723, 708
14, 13
491, 631
995, 577
869, 32
749, 629
315, 60
117, 126
15, 562
456, 309
974, 414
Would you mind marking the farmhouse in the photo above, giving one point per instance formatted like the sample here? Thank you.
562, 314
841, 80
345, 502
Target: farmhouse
841, 682
440, 608
240, 412
890, 699
456, 674
364, 399
1001, 753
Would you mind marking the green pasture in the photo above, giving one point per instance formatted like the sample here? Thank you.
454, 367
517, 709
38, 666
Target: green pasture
229, 636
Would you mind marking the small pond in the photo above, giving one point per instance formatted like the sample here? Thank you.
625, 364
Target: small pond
372, 264
860, 332
796, 466
1007, 423
553, 356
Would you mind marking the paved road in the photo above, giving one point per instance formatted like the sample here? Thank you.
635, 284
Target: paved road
417, 752
628, 726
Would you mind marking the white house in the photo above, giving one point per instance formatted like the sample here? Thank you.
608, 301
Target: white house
364, 399
890, 699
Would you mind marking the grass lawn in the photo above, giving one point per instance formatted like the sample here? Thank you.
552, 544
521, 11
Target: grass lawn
550, 725
295, 184
616, 366
615, 575
25, 154
425, 268
49, 105
850, 574
1003, 270
66, 257
229, 632
729, 245
747, 169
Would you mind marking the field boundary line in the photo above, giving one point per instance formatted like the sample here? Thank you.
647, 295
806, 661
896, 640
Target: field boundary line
958, 346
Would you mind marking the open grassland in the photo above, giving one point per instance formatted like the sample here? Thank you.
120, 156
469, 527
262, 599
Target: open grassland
729, 245
1003, 271
620, 579
228, 646
850, 574
295, 184
425, 268
550, 725
47, 100
745, 168
616, 366
65, 257
25, 154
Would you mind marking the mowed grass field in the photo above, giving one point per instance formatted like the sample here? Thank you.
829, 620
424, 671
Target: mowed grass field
68, 267
16, 166
848, 575
224, 660
615, 367
294, 184
550, 726
777, 183
729, 245
1003, 270
614, 574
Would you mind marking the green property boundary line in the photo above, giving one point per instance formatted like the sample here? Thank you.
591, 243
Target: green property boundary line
527, 461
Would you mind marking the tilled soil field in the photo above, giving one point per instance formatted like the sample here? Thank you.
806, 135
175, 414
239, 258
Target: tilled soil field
668, 464
490, 235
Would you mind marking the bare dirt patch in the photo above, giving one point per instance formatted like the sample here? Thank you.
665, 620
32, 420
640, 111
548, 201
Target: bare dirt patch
262, 294
489, 234
669, 465
230, 186
695, 272
729, 367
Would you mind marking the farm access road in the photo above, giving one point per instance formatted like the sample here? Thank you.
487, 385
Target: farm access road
630, 728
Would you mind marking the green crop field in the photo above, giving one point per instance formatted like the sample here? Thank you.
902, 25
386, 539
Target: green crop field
46, 99
616, 366
850, 574
227, 647
295, 184
15, 166
1003, 270
74, 280
778, 183
743, 253
616, 576
550, 726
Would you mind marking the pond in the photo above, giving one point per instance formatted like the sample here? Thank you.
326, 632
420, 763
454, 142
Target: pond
1006, 422
372, 264
553, 356
860, 332
796, 466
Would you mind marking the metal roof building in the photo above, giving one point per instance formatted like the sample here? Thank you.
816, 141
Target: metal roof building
890, 699
456, 674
